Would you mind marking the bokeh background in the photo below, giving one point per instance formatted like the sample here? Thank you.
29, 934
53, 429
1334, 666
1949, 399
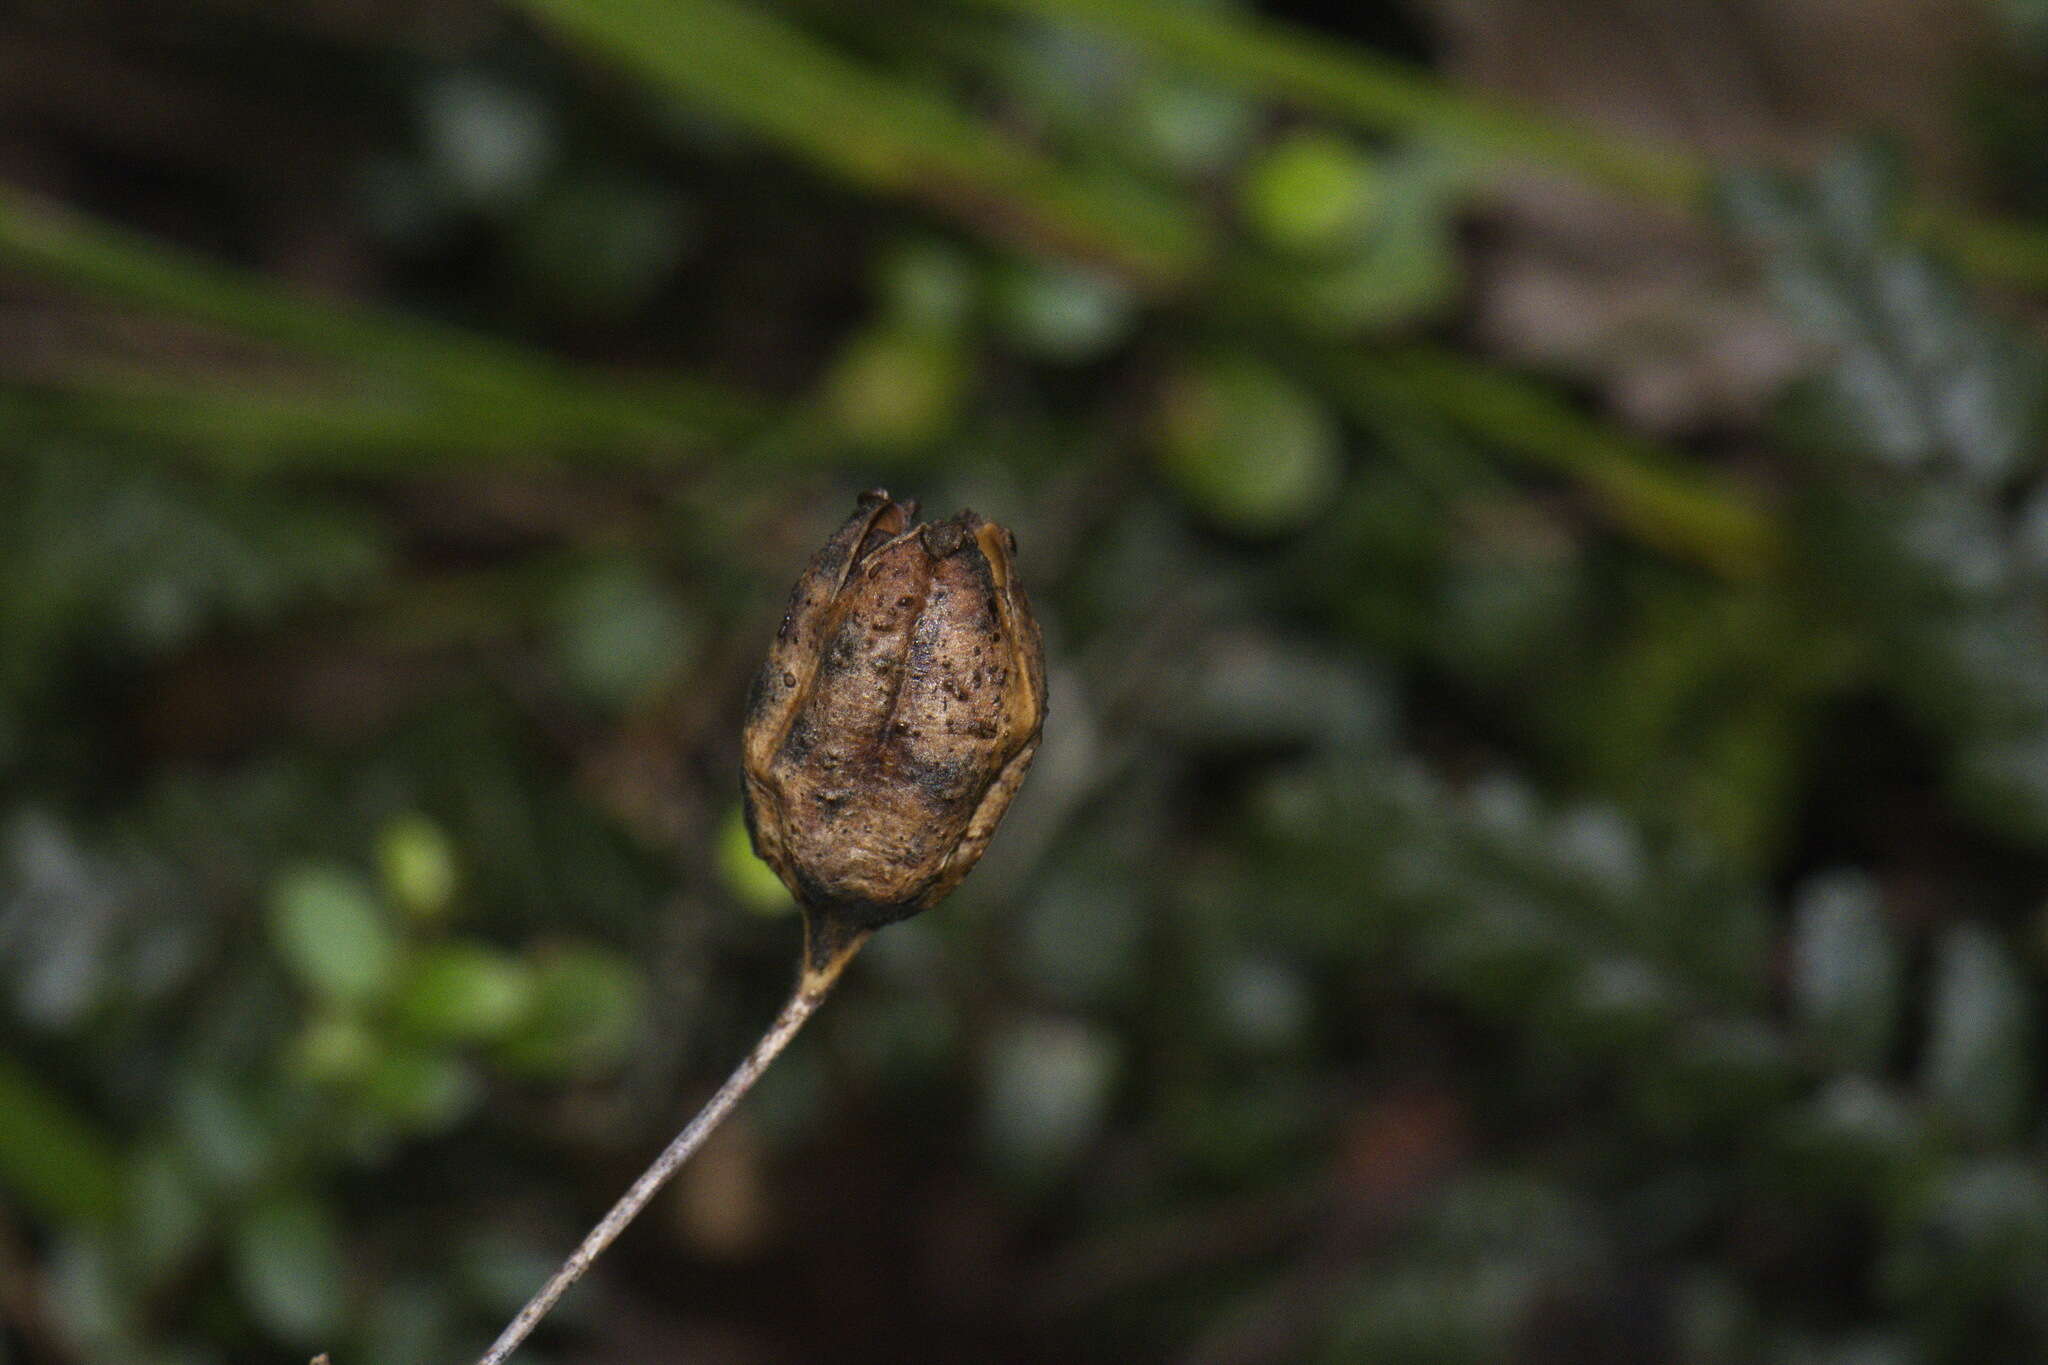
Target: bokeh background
1538, 512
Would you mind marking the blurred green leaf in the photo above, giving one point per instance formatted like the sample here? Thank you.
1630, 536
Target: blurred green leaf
89, 1295
1983, 1229
1390, 263
1915, 375
1640, 485
334, 1048
167, 1216
749, 65
462, 992
52, 1159
419, 1089
410, 1323
491, 140
929, 286
1311, 192
332, 933
418, 867
619, 634
598, 247
1189, 128
1978, 1068
897, 391
587, 1003
493, 386
290, 1266
1247, 446
1298, 67
96, 552
1065, 315
1845, 971
225, 1130
1717, 1078
1857, 1140
1048, 1087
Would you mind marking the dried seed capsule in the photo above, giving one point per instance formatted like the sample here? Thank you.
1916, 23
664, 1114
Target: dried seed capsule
895, 716
886, 733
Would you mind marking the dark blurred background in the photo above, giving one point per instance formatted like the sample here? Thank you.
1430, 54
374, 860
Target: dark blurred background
1538, 513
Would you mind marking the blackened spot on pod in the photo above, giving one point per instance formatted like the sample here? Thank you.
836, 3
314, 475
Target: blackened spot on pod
798, 743
941, 784
845, 648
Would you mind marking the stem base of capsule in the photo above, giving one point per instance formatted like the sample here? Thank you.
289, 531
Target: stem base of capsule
830, 942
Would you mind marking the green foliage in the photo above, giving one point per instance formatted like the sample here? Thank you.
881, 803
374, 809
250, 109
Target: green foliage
1246, 446
1499, 882
331, 933
288, 1261
1931, 408
1978, 1057
1845, 972
51, 1157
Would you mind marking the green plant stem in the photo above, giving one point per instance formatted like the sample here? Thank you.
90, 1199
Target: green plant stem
1638, 484
819, 974
363, 429
501, 383
744, 63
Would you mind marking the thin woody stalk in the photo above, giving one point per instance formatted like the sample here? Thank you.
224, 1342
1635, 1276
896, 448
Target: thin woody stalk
824, 960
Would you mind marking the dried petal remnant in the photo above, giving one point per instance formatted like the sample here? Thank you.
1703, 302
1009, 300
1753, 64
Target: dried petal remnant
896, 714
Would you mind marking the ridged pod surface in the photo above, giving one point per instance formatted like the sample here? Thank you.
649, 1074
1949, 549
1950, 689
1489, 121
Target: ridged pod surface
895, 716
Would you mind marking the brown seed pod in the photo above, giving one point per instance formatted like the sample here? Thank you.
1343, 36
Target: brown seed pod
895, 717
885, 736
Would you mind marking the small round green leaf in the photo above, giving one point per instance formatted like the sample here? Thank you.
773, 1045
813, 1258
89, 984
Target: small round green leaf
418, 866
895, 389
1310, 192
419, 1090
331, 932
462, 992
586, 1004
1246, 446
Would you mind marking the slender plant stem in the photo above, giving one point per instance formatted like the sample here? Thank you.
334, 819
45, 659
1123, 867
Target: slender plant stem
758, 69
820, 972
